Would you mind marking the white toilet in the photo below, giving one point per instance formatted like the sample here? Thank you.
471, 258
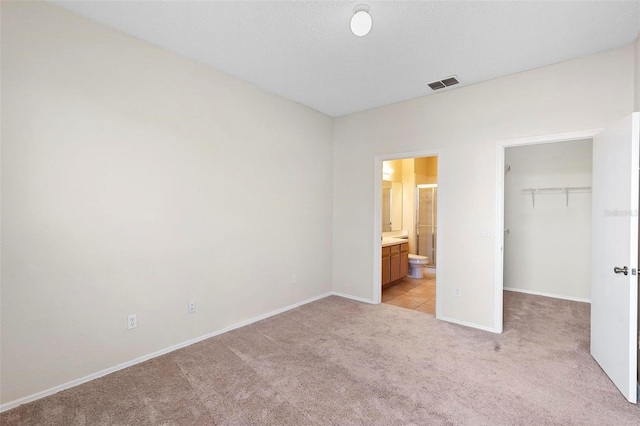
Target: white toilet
416, 262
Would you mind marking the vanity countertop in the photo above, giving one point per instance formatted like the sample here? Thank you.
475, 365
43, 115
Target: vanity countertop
386, 242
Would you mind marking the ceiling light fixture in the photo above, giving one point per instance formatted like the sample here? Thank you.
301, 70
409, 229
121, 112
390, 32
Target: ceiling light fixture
361, 20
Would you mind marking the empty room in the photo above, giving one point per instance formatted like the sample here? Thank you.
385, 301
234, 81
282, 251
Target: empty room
192, 224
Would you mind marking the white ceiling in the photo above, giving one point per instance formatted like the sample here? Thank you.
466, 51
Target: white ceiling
304, 50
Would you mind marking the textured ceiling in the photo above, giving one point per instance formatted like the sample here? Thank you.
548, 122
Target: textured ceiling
304, 50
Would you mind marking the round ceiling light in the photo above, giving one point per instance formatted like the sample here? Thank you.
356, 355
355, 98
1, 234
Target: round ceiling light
361, 20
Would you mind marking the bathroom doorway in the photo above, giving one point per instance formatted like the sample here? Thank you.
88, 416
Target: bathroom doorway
409, 232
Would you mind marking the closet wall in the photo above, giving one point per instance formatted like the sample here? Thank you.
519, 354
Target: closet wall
548, 246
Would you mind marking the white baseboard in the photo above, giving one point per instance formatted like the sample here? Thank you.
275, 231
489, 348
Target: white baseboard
470, 324
93, 376
555, 296
356, 298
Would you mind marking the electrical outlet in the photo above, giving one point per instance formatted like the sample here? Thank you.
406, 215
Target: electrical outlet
192, 306
294, 279
132, 321
457, 291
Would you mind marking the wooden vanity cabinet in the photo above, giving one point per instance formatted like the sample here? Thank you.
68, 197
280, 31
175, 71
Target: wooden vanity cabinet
404, 260
386, 265
395, 262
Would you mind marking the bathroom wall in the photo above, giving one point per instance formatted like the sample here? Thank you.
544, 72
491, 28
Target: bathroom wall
396, 166
548, 248
466, 123
134, 180
408, 202
426, 169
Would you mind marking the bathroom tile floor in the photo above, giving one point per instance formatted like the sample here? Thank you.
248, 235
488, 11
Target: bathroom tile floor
412, 293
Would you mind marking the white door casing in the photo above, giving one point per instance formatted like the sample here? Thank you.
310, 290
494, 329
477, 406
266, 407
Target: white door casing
501, 146
614, 296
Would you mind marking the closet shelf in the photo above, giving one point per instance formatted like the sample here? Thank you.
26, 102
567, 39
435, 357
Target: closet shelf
558, 190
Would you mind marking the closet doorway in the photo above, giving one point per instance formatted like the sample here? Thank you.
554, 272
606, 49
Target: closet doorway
547, 219
613, 295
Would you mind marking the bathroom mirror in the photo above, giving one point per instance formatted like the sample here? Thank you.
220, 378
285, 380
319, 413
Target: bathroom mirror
391, 206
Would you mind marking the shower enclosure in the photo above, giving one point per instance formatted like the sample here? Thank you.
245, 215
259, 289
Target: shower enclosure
426, 221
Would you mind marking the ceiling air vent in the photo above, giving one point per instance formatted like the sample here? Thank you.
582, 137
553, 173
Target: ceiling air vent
436, 85
445, 82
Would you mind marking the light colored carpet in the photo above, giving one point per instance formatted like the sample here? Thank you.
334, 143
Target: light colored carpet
339, 362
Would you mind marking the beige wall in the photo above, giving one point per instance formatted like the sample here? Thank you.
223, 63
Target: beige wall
465, 123
133, 181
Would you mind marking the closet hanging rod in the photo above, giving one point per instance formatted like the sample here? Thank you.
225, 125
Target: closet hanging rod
556, 190
560, 189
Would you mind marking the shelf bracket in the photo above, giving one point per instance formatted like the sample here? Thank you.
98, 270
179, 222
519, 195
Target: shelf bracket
533, 196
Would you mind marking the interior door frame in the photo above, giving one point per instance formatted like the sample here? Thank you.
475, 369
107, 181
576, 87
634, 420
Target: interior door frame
501, 146
377, 220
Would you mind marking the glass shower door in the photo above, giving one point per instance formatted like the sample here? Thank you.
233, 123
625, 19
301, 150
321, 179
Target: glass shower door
426, 221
